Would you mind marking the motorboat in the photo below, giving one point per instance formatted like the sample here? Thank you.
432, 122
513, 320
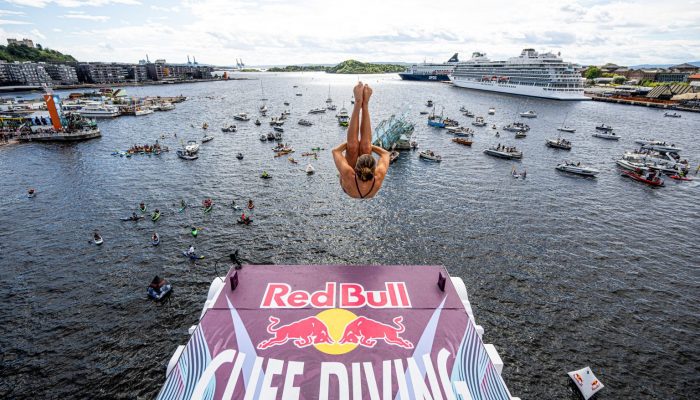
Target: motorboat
460, 131
276, 122
430, 156
517, 127
278, 136
241, 117
305, 122
659, 146
332, 107
310, 169
463, 109
278, 128
263, 138
504, 152
603, 127
207, 138
429, 103
286, 103
577, 168
565, 128
229, 129
464, 142
479, 122
528, 114
424, 112
285, 113
257, 122
492, 111
558, 144
139, 111
164, 106
205, 126
343, 117
99, 111
609, 135
186, 155
631, 163
270, 136
317, 110
672, 115
436, 121
299, 93
240, 155
650, 178
520, 135
468, 114
263, 108
393, 156
192, 146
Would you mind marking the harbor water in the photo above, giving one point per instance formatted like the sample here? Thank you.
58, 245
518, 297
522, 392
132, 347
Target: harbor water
563, 272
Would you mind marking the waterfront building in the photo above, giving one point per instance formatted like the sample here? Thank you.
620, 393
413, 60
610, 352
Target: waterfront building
23, 42
666, 92
672, 76
62, 74
694, 78
24, 73
102, 73
137, 73
160, 71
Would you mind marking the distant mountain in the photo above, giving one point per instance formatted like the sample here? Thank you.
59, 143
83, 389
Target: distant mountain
345, 67
16, 52
644, 66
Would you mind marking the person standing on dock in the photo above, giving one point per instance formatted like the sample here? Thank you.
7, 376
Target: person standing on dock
360, 176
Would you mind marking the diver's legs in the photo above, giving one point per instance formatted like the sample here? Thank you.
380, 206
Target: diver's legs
366, 125
352, 151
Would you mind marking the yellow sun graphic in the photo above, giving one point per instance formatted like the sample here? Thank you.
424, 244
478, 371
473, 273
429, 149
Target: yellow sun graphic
336, 319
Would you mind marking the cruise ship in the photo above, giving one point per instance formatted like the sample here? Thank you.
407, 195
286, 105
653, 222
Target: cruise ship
543, 75
430, 72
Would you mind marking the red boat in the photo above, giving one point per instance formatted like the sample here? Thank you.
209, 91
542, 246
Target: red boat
651, 181
680, 178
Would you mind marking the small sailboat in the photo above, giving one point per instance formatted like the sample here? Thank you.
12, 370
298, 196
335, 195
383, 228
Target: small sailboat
329, 100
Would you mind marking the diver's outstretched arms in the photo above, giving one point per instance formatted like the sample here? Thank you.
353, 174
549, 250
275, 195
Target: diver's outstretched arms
384, 159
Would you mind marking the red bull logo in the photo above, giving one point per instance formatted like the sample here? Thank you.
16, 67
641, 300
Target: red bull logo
343, 295
344, 332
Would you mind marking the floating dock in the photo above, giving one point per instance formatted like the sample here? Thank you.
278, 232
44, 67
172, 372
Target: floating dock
336, 332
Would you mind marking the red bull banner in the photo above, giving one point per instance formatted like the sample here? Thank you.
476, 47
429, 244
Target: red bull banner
335, 332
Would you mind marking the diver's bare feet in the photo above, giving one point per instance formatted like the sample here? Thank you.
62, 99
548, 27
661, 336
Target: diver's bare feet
367, 93
357, 91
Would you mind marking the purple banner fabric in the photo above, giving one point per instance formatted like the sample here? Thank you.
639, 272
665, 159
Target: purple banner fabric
335, 332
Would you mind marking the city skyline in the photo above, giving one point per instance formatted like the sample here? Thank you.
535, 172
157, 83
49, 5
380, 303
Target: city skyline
272, 32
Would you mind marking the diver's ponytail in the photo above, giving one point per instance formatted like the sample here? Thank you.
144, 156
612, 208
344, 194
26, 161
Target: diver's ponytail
364, 168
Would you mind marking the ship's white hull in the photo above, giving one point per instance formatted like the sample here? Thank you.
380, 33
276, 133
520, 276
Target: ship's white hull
522, 90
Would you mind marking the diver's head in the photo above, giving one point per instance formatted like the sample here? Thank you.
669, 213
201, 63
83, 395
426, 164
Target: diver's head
364, 167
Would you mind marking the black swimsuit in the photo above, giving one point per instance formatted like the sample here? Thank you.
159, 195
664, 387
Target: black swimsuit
357, 185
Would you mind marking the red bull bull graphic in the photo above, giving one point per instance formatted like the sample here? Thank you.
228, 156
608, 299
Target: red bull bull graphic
335, 332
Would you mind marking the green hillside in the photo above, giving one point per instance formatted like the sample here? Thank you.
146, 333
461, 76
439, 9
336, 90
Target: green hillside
356, 67
15, 52
345, 67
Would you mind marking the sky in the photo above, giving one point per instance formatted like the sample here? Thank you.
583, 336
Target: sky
278, 32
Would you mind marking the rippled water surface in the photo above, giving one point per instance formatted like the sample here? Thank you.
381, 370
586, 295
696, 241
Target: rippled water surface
563, 272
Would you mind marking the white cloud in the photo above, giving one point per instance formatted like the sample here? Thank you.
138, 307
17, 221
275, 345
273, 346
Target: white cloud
37, 34
5, 13
318, 31
84, 16
70, 3
13, 22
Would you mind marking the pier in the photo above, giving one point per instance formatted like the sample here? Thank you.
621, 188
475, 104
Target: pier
641, 101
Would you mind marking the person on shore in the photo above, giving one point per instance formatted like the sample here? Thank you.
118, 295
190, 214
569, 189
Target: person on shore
360, 175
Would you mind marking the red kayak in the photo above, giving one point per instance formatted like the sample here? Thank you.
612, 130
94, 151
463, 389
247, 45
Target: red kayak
680, 178
656, 181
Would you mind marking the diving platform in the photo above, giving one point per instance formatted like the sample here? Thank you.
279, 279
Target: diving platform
336, 332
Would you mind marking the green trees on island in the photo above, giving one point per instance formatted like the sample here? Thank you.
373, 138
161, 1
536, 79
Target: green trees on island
345, 67
593, 72
16, 52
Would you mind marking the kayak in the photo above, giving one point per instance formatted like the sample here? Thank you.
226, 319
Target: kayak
192, 256
194, 232
208, 209
157, 241
155, 217
132, 218
680, 178
183, 208
143, 209
98, 241
158, 295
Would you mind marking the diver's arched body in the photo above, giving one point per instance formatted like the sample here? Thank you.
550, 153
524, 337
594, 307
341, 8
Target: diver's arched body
360, 175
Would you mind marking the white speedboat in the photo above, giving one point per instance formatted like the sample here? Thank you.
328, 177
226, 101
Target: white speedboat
99, 111
609, 135
165, 106
192, 146
577, 169
139, 111
186, 155
310, 169
317, 110
504, 152
430, 156
558, 144
631, 163
492, 111
304, 122
565, 128
659, 146
460, 131
479, 122
207, 138
672, 115
241, 117
528, 114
